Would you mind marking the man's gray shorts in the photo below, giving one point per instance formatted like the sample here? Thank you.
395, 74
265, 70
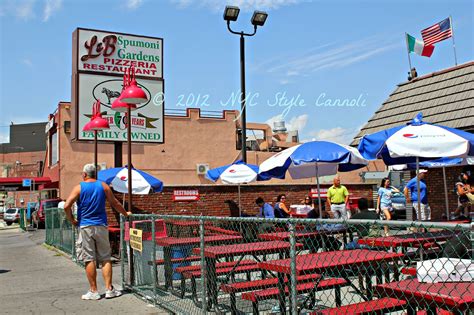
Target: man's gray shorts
93, 244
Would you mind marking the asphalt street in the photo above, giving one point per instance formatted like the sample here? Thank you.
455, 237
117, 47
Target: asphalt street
37, 280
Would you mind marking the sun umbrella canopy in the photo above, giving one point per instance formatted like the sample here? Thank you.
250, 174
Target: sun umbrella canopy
312, 158
142, 183
403, 144
235, 173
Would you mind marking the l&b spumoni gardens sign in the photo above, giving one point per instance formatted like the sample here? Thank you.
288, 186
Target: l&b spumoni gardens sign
100, 60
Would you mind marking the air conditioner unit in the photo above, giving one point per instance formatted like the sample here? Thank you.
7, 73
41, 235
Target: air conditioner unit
201, 169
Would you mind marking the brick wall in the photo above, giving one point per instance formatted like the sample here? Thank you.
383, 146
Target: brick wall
212, 198
436, 196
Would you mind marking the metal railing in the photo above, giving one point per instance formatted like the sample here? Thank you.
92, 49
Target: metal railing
59, 231
193, 265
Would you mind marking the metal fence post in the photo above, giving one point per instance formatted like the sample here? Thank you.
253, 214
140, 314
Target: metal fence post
292, 288
203, 266
155, 272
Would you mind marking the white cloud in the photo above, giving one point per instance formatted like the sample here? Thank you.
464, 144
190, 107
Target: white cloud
332, 56
295, 123
336, 134
27, 62
133, 4
4, 137
244, 5
50, 7
24, 9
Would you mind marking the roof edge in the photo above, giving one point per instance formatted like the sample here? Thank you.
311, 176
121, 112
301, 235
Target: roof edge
433, 74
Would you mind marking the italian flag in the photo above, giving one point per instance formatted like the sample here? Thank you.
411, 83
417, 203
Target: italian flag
418, 46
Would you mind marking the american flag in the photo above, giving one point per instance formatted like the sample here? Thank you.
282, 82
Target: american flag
438, 32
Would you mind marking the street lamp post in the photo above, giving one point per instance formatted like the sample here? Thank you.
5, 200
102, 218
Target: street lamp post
131, 95
231, 13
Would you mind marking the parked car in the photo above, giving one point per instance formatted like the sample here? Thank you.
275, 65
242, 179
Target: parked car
39, 215
399, 205
12, 215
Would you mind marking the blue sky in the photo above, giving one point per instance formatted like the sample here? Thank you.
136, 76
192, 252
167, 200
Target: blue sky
314, 52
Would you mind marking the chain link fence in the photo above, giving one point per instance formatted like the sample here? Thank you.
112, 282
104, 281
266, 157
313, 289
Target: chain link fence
194, 265
59, 231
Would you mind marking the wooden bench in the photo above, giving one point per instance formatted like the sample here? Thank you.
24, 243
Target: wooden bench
410, 271
237, 287
245, 266
273, 293
219, 230
372, 307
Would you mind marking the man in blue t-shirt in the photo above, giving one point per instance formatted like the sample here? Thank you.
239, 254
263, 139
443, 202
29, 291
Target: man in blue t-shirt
265, 209
93, 240
423, 211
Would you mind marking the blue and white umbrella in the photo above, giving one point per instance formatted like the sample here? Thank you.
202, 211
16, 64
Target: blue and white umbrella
142, 183
312, 159
417, 141
237, 173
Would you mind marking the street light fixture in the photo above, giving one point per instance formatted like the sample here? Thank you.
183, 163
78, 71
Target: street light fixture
97, 123
231, 13
259, 18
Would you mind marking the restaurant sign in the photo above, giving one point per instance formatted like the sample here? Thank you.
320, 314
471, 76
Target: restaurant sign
186, 195
107, 52
147, 120
136, 239
314, 192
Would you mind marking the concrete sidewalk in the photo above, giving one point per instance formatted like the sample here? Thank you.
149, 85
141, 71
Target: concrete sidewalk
35, 280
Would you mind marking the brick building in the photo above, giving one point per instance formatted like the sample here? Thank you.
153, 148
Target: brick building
22, 157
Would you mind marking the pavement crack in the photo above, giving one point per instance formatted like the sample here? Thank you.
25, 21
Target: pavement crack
56, 307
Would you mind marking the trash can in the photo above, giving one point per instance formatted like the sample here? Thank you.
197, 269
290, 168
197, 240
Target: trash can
180, 252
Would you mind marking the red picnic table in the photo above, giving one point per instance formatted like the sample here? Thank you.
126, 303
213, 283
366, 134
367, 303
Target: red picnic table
456, 297
213, 253
407, 240
285, 235
328, 263
169, 243
178, 227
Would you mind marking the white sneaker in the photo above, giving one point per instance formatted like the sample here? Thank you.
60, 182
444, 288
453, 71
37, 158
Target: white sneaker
91, 296
109, 294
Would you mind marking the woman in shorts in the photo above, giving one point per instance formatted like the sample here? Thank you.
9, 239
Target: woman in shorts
384, 201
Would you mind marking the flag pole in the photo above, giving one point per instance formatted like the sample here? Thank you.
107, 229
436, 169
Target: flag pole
452, 36
408, 52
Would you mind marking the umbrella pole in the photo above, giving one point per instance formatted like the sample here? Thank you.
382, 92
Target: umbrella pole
319, 193
240, 208
418, 184
446, 193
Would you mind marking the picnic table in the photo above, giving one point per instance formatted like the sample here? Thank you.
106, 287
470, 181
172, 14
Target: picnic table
456, 297
213, 253
407, 240
330, 262
169, 243
179, 227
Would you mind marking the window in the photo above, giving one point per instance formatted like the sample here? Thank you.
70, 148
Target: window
54, 148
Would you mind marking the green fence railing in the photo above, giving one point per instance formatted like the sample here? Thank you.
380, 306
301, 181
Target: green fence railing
195, 265
59, 232
192, 265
